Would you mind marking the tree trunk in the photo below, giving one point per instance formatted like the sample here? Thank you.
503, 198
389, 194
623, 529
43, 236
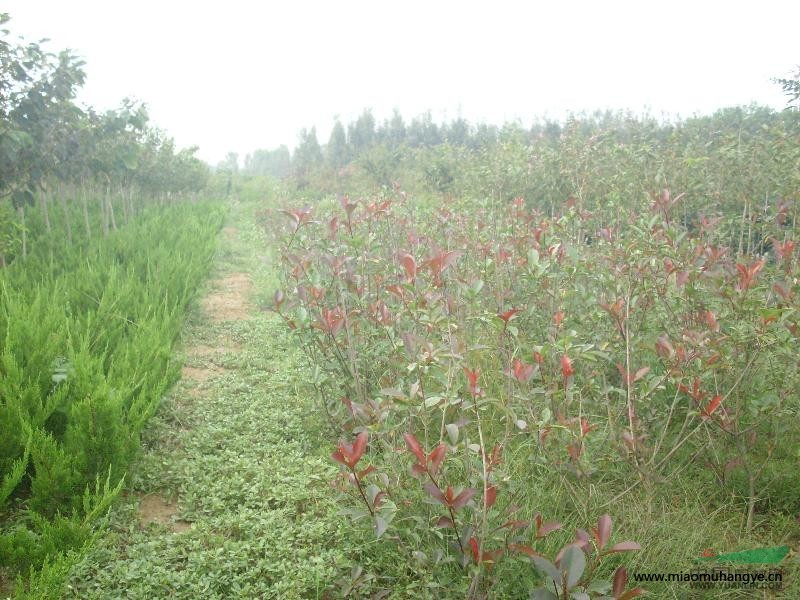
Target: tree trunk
104, 209
62, 197
131, 206
123, 196
45, 211
111, 211
21, 213
85, 202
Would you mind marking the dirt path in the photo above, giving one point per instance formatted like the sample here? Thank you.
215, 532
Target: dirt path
230, 498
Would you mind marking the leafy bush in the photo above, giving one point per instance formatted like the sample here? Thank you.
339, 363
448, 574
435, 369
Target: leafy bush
460, 340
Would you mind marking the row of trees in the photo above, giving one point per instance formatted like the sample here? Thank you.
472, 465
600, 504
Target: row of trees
99, 167
365, 140
346, 144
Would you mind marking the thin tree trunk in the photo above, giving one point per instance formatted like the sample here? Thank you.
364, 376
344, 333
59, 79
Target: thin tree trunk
62, 197
125, 208
741, 229
85, 202
749, 228
45, 211
21, 213
111, 211
104, 208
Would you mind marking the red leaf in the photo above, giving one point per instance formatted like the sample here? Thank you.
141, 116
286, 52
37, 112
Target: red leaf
604, 525
396, 290
473, 544
575, 450
546, 528
409, 266
558, 318
434, 491
465, 496
566, 366
664, 347
523, 549
441, 261
514, 525
350, 454
348, 205
543, 434
364, 472
711, 320
784, 250
561, 552
641, 373
508, 315
491, 496
360, 446
436, 457
747, 274
620, 579
472, 378
445, 523
626, 546
712, 406
331, 321
496, 458
522, 372
632, 594
415, 448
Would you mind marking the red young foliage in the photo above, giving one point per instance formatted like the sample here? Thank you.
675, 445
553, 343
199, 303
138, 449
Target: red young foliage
350, 454
566, 367
748, 273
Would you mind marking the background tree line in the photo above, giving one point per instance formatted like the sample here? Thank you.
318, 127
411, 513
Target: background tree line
67, 168
737, 164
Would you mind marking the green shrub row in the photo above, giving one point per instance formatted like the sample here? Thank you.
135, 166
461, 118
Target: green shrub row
85, 344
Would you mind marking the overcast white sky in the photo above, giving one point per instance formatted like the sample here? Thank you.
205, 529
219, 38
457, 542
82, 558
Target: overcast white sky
241, 75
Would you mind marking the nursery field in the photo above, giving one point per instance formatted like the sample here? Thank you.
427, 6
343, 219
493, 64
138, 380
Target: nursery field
559, 362
421, 360
470, 383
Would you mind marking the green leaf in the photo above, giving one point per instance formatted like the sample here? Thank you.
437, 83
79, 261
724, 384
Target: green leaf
543, 594
452, 433
431, 401
380, 526
547, 568
573, 563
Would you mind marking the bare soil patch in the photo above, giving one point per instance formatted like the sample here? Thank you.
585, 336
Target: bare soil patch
202, 374
205, 351
202, 351
230, 301
154, 508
